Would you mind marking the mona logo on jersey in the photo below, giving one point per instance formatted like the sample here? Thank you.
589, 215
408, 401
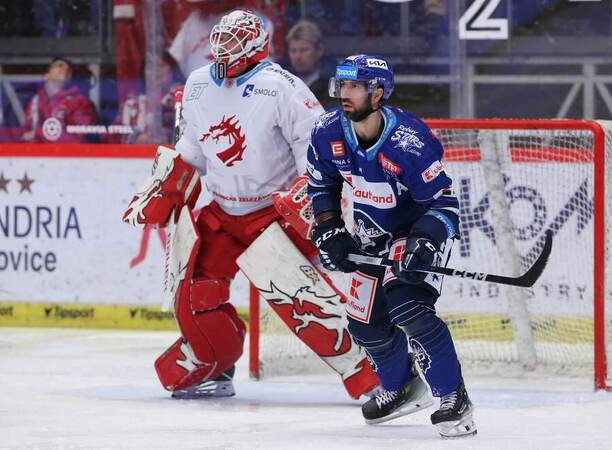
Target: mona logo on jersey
379, 195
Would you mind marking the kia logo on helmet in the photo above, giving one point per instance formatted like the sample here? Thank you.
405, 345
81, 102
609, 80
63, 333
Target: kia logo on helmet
377, 63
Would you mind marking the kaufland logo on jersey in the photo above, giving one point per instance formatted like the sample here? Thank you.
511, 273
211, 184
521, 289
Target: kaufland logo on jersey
379, 195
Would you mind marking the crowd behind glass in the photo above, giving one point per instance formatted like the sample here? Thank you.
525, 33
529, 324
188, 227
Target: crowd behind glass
77, 97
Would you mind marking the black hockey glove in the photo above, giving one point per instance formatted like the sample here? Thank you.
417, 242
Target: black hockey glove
334, 243
420, 251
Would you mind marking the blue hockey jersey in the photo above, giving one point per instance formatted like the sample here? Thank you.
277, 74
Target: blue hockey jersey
399, 184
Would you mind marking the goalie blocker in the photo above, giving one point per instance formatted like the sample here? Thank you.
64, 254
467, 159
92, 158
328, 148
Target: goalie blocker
198, 279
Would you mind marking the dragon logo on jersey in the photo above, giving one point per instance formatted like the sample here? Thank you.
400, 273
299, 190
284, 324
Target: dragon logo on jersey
421, 355
407, 140
230, 130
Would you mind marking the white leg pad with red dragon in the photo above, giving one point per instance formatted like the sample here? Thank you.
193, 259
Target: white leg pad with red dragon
308, 305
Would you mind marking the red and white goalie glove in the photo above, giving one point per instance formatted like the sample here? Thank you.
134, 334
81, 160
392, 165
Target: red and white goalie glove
295, 206
172, 183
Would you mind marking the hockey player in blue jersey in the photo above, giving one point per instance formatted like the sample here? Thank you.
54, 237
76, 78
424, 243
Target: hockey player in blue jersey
404, 208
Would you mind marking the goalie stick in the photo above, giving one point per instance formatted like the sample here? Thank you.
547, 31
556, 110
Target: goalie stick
525, 280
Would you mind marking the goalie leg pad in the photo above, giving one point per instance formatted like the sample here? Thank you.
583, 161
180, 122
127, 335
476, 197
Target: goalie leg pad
211, 342
209, 293
308, 305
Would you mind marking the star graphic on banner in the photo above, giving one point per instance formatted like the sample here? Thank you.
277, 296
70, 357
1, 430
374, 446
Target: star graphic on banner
26, 183
4, 182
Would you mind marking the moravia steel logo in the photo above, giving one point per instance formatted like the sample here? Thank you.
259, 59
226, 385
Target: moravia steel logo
250, 90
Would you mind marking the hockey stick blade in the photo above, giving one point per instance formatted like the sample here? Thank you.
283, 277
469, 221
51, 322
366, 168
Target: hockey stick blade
525, 280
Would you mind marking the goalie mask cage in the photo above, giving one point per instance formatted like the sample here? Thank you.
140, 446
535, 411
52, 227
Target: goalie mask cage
515, 179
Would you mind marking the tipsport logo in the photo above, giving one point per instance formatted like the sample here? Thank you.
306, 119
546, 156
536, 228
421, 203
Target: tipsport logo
250, 90
346, 72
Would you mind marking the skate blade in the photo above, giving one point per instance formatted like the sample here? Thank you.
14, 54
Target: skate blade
213, 389
464, 427
408, 408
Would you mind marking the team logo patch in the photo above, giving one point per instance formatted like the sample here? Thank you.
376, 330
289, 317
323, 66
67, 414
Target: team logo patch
388, 165
52, 129
432, 171
407, 140
337, 148
230, 131
371, 235
421, 355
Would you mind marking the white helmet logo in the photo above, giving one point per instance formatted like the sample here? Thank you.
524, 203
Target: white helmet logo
378, 63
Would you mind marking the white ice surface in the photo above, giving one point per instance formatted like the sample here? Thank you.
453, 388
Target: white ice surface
71, 389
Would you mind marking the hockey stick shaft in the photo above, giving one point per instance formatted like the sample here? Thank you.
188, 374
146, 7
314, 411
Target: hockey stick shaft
525, 280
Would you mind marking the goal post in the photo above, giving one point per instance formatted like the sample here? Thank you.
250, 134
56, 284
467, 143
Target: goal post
515, 179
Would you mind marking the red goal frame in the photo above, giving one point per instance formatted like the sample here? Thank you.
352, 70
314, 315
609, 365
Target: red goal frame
599, 239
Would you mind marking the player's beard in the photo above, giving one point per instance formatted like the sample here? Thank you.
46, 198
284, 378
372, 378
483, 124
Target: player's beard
359, 114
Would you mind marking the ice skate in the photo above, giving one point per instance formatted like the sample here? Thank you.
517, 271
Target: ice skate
454, 418
222, 386
387, 405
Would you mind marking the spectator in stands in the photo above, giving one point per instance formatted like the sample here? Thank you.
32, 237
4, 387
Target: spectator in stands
133, 111
306, 52
57, 106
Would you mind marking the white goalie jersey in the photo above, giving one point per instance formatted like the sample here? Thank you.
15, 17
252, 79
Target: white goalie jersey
247, 135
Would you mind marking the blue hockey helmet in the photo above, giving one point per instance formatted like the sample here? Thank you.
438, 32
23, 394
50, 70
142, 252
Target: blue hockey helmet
373, 69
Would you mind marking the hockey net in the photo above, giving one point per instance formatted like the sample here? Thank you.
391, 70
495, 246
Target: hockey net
515, 179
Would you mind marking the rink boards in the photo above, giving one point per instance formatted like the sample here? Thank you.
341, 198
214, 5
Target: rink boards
66, 259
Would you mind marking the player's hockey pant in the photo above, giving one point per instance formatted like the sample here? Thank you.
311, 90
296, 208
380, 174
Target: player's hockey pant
400, 307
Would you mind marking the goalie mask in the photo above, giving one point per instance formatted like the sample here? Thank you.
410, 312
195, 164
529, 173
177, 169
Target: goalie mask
374, 70
238, 41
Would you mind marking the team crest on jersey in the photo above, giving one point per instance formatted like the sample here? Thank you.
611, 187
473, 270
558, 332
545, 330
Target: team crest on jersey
371, 235
227, 132
406, 139
326, 119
